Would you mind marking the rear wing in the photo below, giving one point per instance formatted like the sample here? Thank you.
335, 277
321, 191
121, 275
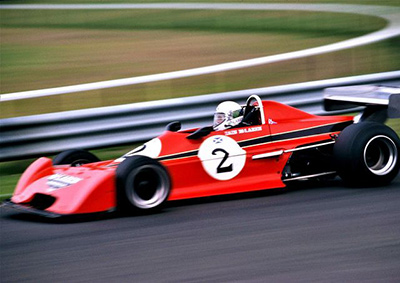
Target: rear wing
381, 102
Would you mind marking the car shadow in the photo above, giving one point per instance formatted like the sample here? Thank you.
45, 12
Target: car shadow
30, 217
292, 187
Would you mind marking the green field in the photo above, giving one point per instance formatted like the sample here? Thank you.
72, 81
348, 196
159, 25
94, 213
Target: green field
41, 49
363, 2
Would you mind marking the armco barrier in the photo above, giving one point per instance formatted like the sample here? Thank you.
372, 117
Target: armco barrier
31, 136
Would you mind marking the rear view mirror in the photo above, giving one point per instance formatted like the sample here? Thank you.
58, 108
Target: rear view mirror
202, 132
174, 126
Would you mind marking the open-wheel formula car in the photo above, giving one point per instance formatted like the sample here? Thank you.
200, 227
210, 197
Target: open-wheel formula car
273, 144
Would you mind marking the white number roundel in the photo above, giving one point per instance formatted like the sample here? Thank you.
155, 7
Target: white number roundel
222, 158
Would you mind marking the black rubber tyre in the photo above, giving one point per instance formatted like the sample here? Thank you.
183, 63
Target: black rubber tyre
143, 185
367, 154
75, 157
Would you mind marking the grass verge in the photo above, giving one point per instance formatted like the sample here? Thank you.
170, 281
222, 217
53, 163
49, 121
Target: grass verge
362, 2
41, 49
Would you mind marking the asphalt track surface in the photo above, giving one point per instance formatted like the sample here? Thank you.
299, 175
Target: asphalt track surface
325, 233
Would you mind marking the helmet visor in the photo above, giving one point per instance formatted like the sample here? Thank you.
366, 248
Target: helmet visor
237, 113
218, 119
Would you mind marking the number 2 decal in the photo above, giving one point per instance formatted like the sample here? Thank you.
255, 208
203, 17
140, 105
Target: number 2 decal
222, 157
221, 169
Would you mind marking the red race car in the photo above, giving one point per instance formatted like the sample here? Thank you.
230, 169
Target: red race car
262, 145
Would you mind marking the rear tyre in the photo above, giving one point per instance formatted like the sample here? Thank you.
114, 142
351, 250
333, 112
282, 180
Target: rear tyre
367, 154
75, 158
143, 185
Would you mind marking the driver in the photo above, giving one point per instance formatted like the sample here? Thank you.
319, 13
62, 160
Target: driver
227, 115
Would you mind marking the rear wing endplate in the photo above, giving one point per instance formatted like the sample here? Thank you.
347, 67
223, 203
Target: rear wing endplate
381, 100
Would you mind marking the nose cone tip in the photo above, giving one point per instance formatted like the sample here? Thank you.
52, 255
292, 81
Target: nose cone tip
18, 198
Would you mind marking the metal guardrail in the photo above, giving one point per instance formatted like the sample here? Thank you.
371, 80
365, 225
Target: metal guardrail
32, 136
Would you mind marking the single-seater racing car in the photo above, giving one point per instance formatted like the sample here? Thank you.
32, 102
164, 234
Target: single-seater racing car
261, 145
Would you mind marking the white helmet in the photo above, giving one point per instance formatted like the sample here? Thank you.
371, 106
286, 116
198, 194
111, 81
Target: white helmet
228, 114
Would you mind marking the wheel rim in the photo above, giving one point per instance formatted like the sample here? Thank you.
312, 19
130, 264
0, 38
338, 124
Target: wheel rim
147, 186
79, 162
380, 155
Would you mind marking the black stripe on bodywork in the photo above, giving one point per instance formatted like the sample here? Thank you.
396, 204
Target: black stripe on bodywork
297, 134
273, 138
255, 141
312, 131
179, 155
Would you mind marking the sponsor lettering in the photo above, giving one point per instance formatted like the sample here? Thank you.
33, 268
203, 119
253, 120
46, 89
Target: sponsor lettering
230, 133
243, 131
58, 181
249, 130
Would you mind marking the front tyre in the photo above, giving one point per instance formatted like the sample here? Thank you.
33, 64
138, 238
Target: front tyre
75, 158
367, 154
143, 185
